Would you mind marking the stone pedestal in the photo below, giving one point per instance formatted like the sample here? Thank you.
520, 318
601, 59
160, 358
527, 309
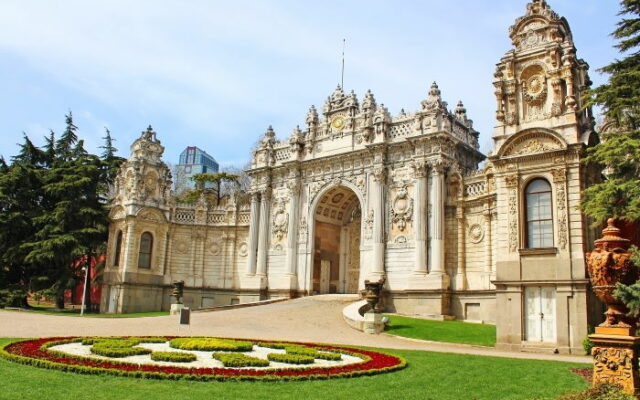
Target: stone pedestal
373, 323
176, 308
616, 361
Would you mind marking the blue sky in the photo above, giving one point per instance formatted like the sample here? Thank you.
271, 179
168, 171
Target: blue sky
215, 74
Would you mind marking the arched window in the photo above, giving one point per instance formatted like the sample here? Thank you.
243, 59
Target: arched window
538, 214
146, 247
116, 259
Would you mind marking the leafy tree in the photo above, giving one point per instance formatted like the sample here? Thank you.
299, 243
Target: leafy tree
220, 179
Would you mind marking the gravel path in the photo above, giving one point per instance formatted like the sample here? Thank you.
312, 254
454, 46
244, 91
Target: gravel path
307, 319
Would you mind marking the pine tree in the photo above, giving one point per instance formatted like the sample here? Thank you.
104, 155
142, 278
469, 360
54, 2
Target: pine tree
53, 214
618, 196
21, 200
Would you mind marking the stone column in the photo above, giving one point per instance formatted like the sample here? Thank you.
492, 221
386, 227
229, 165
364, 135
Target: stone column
292, 230
379, 175
420, 218
488, 250
132, 245
437, 233
263, 235
254, 224
461, 273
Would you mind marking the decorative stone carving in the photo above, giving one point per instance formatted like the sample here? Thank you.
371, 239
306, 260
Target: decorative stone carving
379, 173
360, 183
243, 249
368, 225
182, 246
559, 178
512, 185
314, 188
214, 248
617, 366
418, 169
302, 230
476, 233
402, 208
280, 221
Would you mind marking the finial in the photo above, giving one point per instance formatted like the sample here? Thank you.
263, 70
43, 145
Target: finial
434, 90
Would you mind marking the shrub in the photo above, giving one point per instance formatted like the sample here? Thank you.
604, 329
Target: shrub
587, 345
312, 352
210, 344
118, 352
275, 345
291, 358
126, 341
119, 347
600, 392
240, 360
174, 356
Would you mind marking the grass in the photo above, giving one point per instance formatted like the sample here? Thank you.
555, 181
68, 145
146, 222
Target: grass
76, 313
430, 376
442, 331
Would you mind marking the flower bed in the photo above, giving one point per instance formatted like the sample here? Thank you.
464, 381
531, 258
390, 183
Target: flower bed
36, 352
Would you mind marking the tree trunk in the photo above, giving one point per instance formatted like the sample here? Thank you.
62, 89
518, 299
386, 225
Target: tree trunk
60, 301
87, 287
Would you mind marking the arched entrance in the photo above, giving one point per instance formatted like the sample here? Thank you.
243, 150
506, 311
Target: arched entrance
336, 242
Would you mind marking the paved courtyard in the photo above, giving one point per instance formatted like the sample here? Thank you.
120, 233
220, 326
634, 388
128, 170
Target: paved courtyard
312, 319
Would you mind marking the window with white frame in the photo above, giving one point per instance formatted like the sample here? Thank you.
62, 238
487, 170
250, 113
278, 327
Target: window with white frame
539, 218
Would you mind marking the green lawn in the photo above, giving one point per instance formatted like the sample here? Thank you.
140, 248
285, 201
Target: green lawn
429, 376
76, 313
442, 331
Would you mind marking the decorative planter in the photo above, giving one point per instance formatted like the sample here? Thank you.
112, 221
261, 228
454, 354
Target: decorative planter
371, 293
609, 264
178, 291
615, 344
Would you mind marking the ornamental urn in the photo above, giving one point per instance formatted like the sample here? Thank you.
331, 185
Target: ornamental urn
609, 264
372, 292
178, 291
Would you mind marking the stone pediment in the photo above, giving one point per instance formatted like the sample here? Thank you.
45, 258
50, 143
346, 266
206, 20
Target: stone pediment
151, 215
117, 212
528, 143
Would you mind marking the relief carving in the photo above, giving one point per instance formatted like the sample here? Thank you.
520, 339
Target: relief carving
512, 184
280, 221
368, 225
616, 366
476, 233
402, 209
559, 178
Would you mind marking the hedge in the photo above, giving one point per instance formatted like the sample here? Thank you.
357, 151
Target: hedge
210, 344
175, 356
237, 360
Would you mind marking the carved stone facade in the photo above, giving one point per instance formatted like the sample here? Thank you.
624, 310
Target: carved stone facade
360, 194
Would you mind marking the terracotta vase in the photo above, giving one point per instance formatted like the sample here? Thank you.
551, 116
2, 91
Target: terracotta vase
609, 264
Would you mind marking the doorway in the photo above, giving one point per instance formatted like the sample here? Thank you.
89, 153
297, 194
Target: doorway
540, 308
336, 255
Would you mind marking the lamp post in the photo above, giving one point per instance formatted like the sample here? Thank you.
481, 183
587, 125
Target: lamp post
84, 289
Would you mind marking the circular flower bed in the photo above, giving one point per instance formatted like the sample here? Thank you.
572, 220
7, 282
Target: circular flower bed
326, 361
